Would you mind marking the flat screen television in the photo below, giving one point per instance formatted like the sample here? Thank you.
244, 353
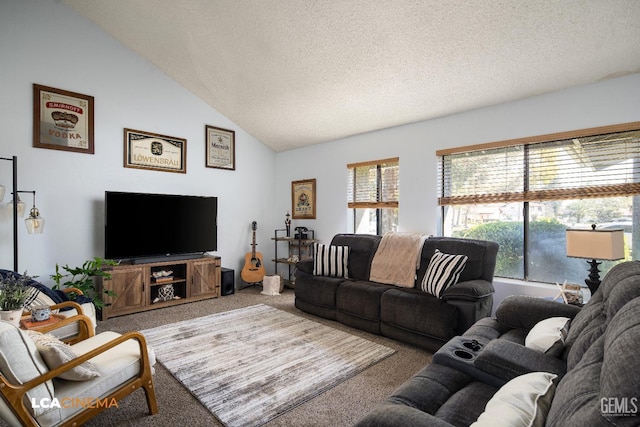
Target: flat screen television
148, 227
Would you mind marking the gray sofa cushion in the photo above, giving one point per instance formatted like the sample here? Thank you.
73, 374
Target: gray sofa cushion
618, 287
607, 370
435, 396
365, 314
415, 310
362, 248
318, 291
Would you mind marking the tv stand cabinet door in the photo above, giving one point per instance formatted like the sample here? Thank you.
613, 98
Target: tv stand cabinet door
205, 278
128, 283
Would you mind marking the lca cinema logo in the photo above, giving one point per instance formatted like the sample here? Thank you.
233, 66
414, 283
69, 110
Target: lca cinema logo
73, 402
619, 406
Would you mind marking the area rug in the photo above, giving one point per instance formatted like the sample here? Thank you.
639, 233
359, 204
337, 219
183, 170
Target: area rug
250, 365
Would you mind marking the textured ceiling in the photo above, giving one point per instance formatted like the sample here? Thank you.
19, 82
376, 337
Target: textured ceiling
300, 72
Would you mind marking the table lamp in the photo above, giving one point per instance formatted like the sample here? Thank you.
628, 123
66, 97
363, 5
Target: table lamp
595, 245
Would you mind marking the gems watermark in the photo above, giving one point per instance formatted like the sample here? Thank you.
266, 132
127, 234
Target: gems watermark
619, 406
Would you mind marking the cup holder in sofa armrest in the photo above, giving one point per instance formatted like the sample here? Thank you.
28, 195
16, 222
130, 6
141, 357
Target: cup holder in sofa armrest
463, 354
459, 353
507, 360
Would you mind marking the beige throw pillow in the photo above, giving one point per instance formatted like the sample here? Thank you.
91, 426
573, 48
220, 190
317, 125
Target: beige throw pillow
55, 353
523, 401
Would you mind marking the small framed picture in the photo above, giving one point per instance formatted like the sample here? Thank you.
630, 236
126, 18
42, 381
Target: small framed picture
303, 199
220, 148
62, 120
146, 150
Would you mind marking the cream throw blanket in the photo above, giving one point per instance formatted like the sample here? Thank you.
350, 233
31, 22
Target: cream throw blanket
397, 259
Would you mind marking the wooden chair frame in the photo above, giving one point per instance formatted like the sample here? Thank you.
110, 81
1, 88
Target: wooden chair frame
14, 394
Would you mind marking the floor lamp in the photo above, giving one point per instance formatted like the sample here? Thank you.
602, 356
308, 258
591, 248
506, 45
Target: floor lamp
595, 245
34, 223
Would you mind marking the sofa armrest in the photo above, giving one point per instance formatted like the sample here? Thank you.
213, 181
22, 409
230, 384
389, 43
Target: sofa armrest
70, 304
72, 290
523, 312
85, 328
507, 360
471, 290
305, 266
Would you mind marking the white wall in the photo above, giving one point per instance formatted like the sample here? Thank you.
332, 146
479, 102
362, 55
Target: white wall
48, 43
604, 103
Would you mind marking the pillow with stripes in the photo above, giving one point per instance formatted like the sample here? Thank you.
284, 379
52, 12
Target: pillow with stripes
443, 271
330, 261
36, 298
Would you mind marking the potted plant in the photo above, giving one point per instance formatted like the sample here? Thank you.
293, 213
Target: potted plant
82, 278
13, 294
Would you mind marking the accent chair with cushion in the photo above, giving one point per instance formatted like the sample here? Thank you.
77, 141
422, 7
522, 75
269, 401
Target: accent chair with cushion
455, 294
38, 368
59, 302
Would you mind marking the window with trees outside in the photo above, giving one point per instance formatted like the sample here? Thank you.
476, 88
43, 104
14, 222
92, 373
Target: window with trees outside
524, 194
373, 195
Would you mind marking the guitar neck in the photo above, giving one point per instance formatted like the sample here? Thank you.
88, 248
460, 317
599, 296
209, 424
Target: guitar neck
253, 245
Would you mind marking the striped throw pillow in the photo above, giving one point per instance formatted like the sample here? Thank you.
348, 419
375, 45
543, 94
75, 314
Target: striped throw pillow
36, 298
443, 271
330, 261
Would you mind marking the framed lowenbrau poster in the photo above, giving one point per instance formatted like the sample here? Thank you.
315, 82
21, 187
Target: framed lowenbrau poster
145, 150
62, 120
303, 199
221, 148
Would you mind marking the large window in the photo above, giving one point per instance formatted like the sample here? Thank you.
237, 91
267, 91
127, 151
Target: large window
373, 195
524, 194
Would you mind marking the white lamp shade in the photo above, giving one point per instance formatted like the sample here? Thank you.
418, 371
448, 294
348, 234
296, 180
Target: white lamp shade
22, 207
34, 225
595, 244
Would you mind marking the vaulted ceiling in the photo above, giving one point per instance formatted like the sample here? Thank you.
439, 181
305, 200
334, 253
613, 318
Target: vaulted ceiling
299, 72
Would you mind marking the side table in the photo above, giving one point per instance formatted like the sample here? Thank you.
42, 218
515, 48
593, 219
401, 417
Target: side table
27, 323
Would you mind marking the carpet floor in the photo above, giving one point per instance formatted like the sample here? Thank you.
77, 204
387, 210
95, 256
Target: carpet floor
341, 405
250, 365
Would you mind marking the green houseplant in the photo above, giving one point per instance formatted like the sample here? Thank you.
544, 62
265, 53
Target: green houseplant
13, 294
82, 278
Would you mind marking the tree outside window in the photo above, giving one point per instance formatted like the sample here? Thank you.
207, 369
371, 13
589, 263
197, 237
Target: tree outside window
525, 195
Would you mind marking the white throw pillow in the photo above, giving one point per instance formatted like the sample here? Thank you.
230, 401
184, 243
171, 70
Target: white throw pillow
548, 335
443, 271
330, 261
55, 353
523, 401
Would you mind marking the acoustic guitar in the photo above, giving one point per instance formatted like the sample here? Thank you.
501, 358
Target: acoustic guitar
253, 270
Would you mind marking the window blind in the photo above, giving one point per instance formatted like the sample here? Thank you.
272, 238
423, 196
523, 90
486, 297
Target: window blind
373, 184
600, 165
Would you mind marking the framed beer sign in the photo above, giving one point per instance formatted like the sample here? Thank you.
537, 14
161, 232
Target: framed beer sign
62, 120
145, 150
221, 148
303, 199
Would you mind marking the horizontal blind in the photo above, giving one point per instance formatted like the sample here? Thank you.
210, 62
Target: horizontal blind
586, 167
373, 184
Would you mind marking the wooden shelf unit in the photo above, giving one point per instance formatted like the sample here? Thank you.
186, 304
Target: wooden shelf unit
303, 248
137, 290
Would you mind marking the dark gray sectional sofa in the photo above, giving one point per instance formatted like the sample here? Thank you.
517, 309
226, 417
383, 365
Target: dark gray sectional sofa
597, 368
406, 314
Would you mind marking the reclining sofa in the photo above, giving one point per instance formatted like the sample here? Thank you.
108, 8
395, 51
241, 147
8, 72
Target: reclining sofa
405, 314
590, 371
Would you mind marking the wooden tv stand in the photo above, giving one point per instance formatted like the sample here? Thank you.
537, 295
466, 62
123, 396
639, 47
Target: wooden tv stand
138, 290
